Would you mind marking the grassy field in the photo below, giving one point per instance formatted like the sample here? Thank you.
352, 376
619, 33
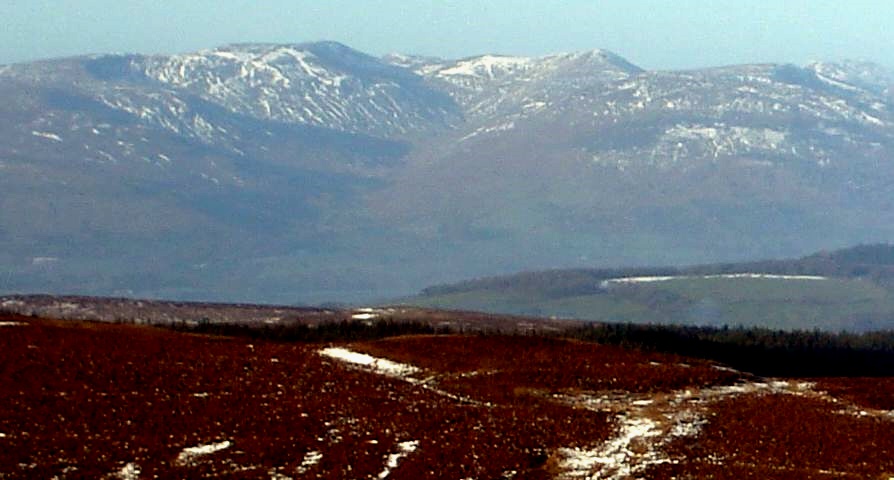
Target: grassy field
832, 304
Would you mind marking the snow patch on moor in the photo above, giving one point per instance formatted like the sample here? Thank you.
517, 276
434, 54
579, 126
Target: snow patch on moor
393, 460
647, 424
310, 459
381, 366
131, 471
400, 371
189, 455
613, 458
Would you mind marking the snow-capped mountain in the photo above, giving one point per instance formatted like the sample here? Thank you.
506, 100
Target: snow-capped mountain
489, 86
317, 168
322, 84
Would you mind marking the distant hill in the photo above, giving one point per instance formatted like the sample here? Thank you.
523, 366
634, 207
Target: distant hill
312, 172
848, 289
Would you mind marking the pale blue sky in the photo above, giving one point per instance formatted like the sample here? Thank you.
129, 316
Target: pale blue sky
652, 34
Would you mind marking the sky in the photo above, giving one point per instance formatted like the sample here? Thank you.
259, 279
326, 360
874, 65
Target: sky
652, 34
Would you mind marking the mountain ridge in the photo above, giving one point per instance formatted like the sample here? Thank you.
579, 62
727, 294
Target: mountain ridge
314, 170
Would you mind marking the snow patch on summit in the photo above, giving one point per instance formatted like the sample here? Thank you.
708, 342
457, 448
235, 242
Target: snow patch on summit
487, 66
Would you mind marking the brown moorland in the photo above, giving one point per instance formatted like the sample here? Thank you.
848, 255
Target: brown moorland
786, 437
97, 400
870, 393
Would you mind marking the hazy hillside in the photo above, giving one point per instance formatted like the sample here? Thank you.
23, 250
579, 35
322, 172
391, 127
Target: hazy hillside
313, 172
850, 289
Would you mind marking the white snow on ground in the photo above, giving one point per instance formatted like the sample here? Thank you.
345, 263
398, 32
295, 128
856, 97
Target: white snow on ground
47, 135
378, 365
12, 324
391, 369
647, 424
131, 471
368, 313
191, 454
310, 459
613, 458
666, 278
392, 461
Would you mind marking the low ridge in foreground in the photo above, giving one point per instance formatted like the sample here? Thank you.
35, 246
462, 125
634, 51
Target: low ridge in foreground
101, 400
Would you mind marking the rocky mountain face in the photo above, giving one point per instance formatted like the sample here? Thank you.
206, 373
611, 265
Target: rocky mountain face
313, 171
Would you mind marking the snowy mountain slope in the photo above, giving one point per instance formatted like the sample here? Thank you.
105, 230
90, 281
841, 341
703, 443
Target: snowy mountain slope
859, 73
769, 113
324, 84
741, 161
152, 186
490, 86
317, 168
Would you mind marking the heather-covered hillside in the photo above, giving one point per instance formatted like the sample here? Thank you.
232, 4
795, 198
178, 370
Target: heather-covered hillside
91, 400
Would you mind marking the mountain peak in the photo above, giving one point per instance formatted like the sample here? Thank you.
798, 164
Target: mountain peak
487, 66
607, 57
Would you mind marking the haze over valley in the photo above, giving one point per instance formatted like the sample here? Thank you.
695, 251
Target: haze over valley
302, 173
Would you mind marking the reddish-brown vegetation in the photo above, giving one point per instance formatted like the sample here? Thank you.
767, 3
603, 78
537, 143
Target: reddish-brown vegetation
786, 437
82, 400
876, 393
506, 366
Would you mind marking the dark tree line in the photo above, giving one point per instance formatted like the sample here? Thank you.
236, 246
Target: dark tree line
760, 351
